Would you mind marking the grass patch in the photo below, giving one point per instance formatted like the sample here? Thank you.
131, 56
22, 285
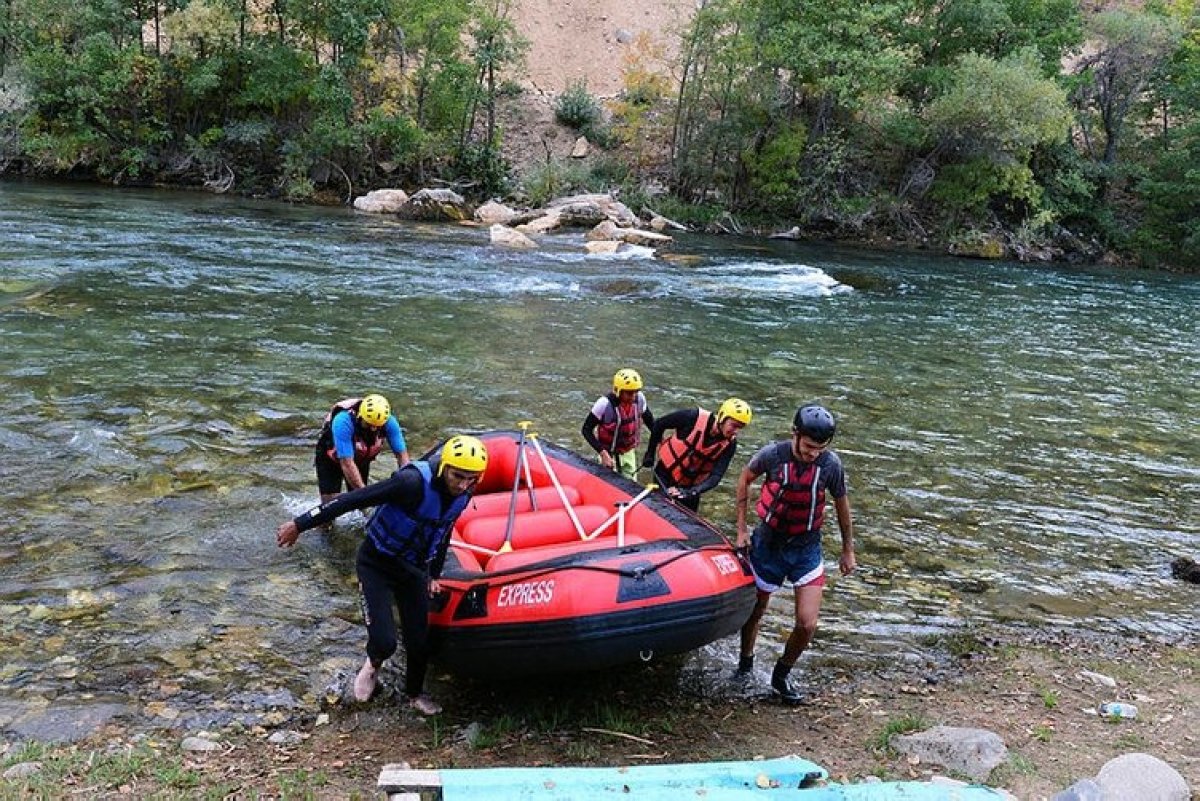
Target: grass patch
95, 772
1132, 741
1049, 697
1042, 733
901, 725
1016, 765
497, 731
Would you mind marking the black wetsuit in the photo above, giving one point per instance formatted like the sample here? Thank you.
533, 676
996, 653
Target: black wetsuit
384, 579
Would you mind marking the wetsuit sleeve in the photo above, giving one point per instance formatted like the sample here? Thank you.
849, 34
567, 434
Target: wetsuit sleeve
648, 418
681, 422
589, 431
718, 471
343, 435
395, 435
404, 488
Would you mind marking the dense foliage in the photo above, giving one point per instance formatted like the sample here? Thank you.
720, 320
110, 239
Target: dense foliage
279, 97
1019, 124
1022, 126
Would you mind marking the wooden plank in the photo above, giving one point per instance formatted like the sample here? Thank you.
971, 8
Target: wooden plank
400, 778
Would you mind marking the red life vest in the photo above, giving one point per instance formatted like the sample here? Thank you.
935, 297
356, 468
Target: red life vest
793, 498
625, 426
689, 460
367, 443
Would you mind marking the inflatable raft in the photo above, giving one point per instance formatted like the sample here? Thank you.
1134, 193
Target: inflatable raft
560, 565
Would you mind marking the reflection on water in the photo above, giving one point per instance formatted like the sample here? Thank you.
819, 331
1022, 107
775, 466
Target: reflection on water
1021, 442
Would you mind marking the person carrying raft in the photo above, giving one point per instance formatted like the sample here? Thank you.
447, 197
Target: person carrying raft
351, 438
786, 545
695, 458
613, 427
401, 557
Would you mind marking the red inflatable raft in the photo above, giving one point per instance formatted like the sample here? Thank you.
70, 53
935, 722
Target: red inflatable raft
578, 569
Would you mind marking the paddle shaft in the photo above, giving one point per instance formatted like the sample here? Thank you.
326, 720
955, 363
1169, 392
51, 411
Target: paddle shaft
512, 504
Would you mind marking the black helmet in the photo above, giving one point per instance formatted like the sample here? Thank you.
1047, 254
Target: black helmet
815, 422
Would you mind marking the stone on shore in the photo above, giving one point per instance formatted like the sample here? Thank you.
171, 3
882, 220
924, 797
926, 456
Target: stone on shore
435, 205
1141, 776
971, 752
381, 201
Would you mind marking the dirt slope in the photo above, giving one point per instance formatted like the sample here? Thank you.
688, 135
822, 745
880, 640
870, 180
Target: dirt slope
581, 39
574, 40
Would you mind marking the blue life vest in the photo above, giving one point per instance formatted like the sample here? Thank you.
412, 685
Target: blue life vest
415, 539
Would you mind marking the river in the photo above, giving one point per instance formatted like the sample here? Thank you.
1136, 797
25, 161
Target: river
1021, 441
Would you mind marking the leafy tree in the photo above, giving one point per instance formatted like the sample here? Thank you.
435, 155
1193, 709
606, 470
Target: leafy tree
1131, 48
943, 31
988, 123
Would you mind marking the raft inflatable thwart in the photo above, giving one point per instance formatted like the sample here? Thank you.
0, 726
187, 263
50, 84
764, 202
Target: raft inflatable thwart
560, 565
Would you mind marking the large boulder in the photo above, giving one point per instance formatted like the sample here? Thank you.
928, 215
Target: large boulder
612, 208
971, 752
436, 205
583, 214
1141, 776
381, 201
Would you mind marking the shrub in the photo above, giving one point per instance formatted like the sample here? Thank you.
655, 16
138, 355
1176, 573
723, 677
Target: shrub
576, 108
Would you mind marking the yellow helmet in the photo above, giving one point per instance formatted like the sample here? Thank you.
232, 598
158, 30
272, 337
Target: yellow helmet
627, 379
465, 453
736, 408
374, 410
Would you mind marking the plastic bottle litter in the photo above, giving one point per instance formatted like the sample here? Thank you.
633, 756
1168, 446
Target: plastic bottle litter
1117, 709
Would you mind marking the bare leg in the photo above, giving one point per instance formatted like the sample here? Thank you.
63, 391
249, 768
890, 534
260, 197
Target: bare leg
808, 608
750, 627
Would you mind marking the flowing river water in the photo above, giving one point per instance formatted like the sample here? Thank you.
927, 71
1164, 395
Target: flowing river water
1021, 441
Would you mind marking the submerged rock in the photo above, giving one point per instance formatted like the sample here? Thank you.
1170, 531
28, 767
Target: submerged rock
1186, 569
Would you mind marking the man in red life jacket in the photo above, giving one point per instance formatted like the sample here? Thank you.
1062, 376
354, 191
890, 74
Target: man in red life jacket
614, 425
694, 459
786, 545
351, 438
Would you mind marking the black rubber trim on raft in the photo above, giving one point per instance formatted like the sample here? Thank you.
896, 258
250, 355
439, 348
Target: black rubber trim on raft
590, 643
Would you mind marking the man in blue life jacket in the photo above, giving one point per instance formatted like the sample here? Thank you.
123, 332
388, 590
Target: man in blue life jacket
786, 545
351, 438
402, 555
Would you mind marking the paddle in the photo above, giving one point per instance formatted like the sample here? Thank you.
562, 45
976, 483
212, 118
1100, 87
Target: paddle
529, 482
512, 504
